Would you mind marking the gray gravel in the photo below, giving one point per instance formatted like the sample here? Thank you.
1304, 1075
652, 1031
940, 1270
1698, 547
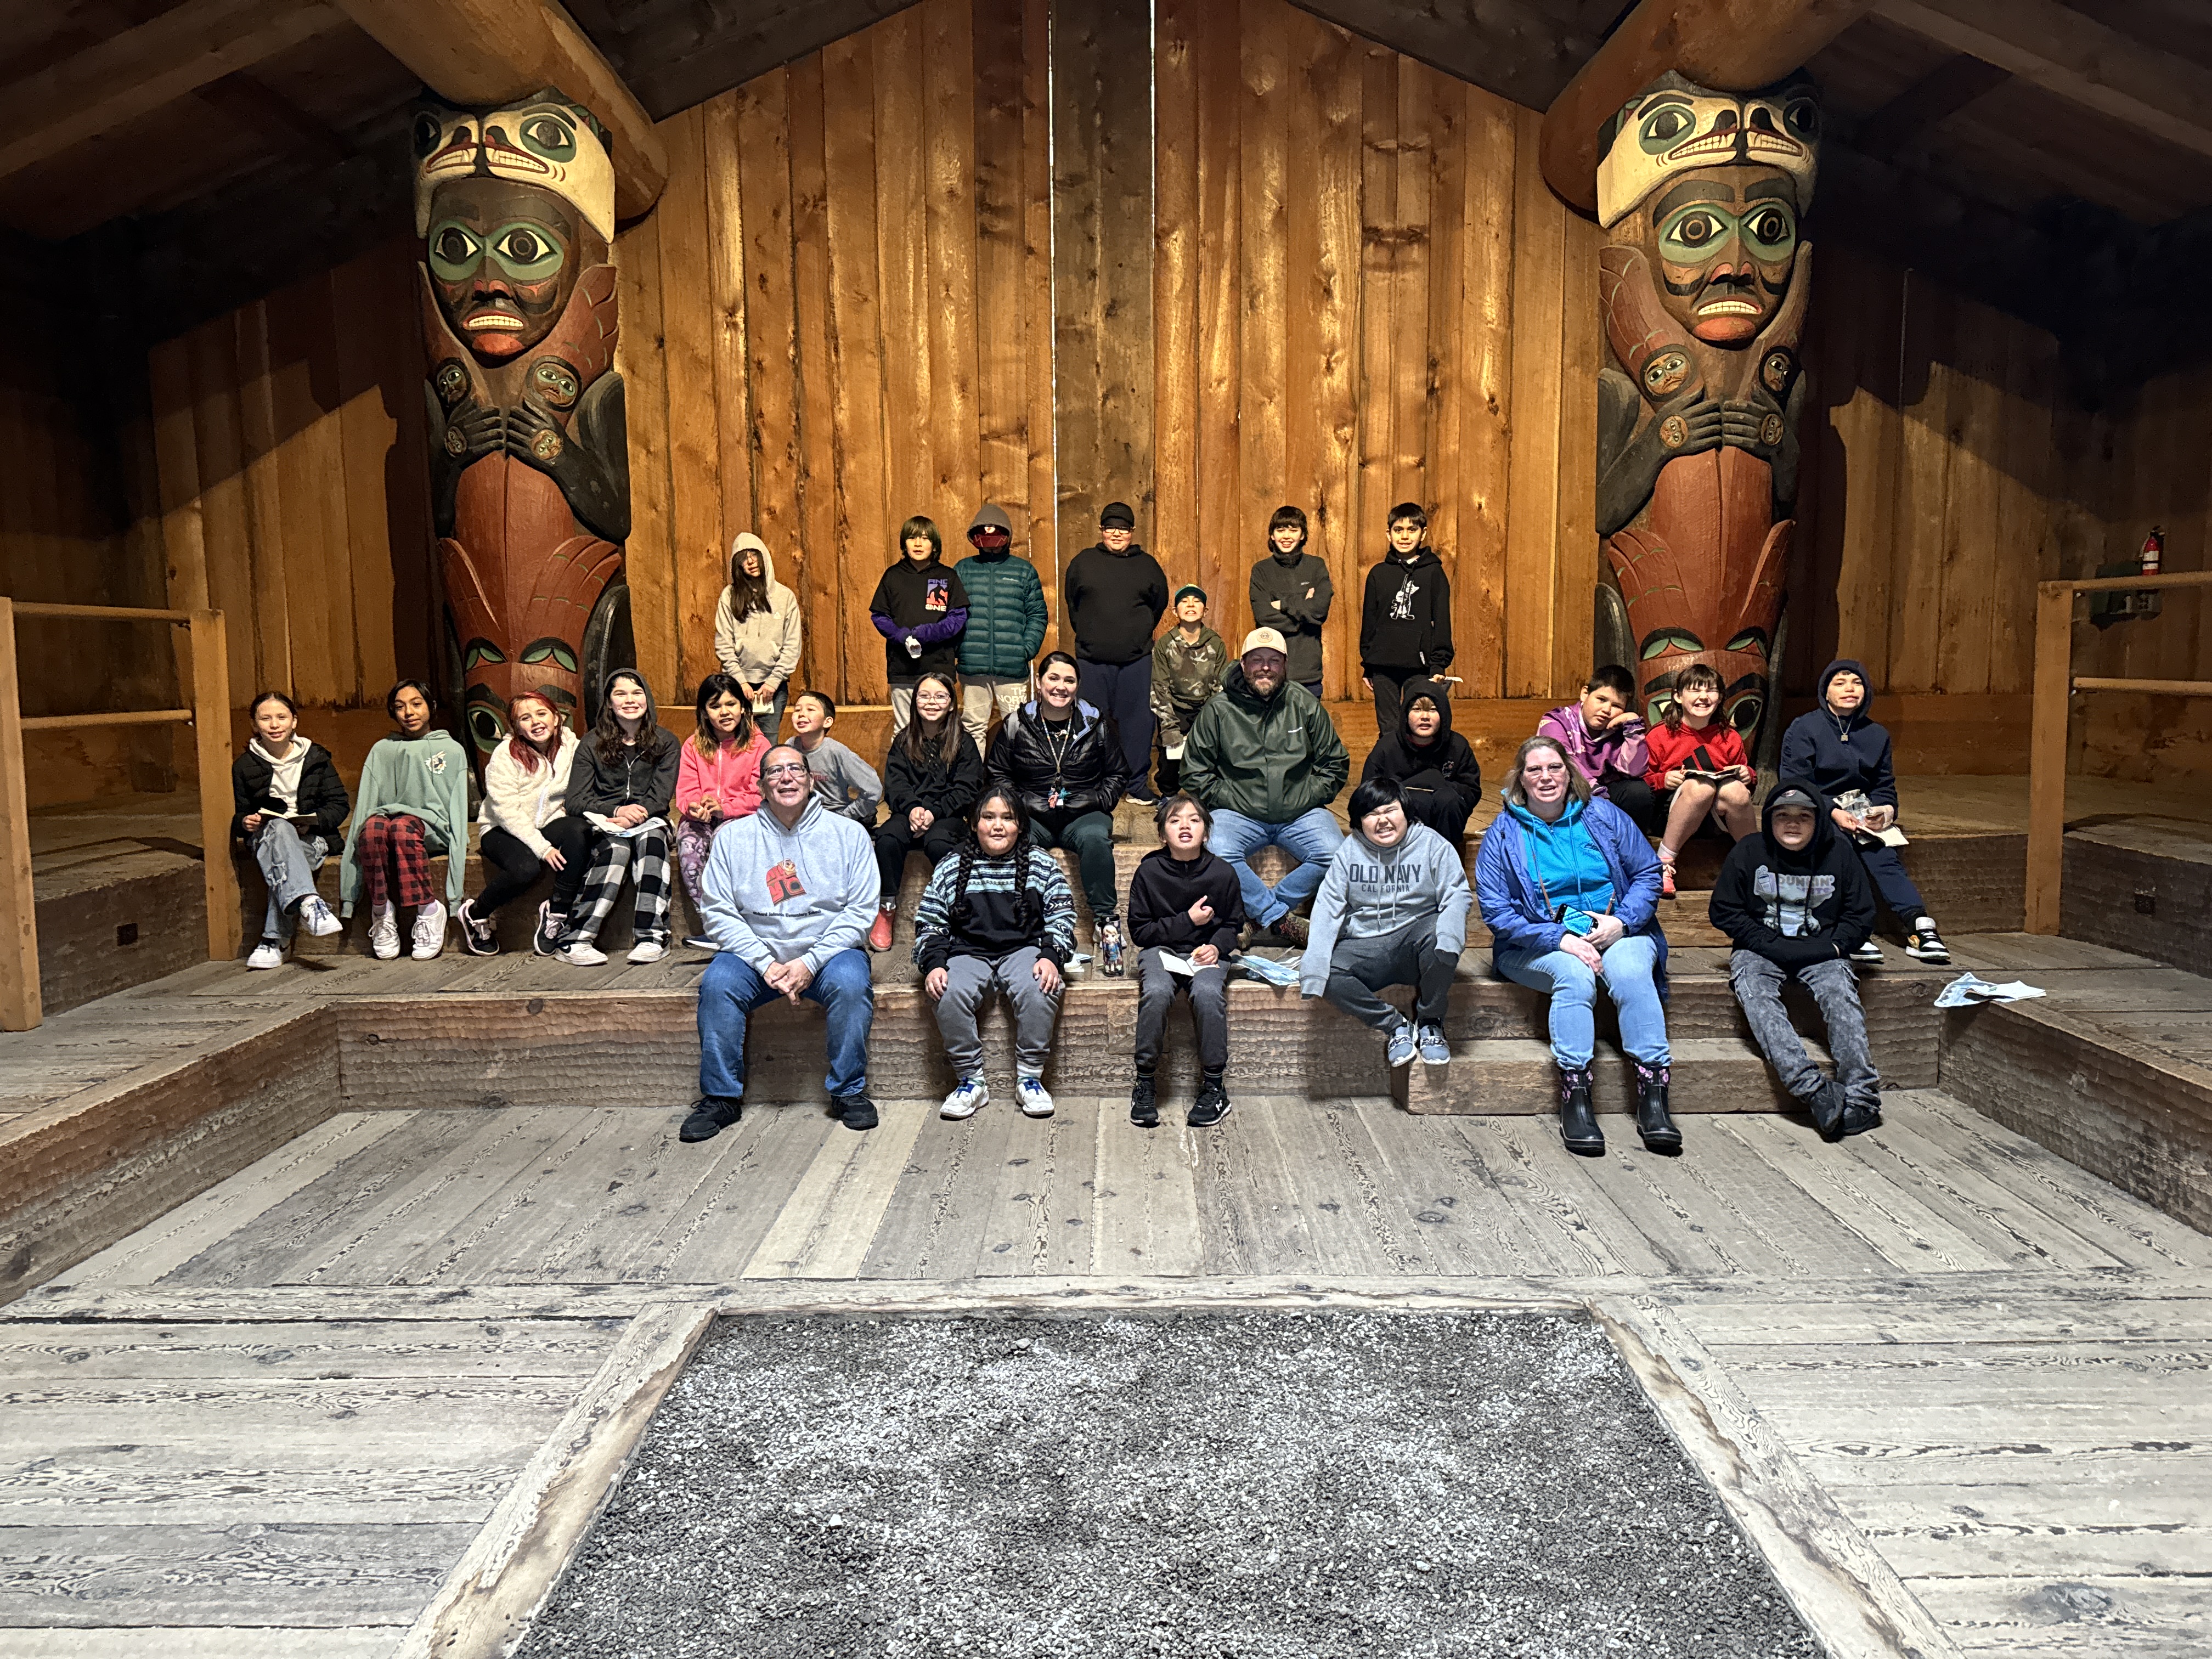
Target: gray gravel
1261, 1486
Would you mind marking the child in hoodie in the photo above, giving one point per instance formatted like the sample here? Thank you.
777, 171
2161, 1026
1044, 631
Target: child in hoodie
1604, 739
1392, 910
290, 811
1115, 594
1431, 764
1292, 593
1405, 622
1006, 620
920, 608
1845, 756
413, 805
1186, 903
757, 632
1795, 901
718, 778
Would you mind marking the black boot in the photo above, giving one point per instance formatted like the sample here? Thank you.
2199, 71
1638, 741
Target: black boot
1826, 1105
1578, 1123
1652, 1122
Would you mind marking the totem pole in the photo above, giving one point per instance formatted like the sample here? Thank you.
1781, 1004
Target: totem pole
1702, 279
529, 467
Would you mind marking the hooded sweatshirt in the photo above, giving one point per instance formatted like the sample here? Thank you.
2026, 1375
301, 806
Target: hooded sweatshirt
1292, 593
1523, 869
925, 603
1114, 601
523, 803
1619, 747
305, 783
773, 895
1271, 758
1405, 624
1164, 887
1371, 891
730, 774
1838, 753
761, 649
1006, 614
426, 778
1443, 770
1794, 909
641, 773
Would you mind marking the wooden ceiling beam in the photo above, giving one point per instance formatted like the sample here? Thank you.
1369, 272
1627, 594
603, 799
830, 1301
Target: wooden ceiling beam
477, 52
140, 69
1936, 97
1731, 45
2071, 54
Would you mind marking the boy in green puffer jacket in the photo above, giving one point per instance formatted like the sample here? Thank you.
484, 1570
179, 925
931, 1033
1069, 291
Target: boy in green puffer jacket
1006, 623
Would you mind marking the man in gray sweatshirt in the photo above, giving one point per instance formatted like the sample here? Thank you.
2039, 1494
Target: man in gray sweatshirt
1392, 910
789, 895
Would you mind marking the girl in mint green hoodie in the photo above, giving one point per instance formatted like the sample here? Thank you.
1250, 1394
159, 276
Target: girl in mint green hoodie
412, 806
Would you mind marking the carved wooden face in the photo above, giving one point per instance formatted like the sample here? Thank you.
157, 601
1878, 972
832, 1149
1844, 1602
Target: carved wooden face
503, 258
1721, 241
543, 140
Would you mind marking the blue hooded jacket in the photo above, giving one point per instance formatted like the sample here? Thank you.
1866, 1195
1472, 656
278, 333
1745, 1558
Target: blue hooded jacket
1838, 753
1513, 908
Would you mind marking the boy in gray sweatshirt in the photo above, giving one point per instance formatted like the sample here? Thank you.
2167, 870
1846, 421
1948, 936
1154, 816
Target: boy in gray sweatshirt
843, 782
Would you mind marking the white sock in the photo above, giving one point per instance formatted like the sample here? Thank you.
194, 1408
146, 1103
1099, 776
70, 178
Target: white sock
1923, 924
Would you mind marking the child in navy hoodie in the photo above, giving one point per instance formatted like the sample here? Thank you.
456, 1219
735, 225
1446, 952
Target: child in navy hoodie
1845, 756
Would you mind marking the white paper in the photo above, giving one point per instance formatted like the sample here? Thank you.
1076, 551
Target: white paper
1970, 989
1174, 751
1268, 970
1175, 964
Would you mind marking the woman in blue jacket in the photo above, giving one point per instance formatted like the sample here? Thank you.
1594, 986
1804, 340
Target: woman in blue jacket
1569, 889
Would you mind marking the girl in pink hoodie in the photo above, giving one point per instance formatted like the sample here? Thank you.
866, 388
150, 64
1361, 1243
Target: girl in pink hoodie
718, 778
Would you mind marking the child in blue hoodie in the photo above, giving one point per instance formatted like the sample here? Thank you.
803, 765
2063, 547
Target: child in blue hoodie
1845, 756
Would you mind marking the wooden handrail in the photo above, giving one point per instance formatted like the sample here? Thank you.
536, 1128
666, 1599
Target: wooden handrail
22, 1007
2051, 702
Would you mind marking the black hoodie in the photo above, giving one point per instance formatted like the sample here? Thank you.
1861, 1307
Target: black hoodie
1164, 889
1838, 753
1793, 908
1441, 777
1114, 601
1292, 593
1405, 624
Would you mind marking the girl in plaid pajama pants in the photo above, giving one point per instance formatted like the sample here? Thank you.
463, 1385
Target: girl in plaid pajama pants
621, 784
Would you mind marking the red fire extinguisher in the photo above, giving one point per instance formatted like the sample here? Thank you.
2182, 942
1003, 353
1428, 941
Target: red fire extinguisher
2153, 551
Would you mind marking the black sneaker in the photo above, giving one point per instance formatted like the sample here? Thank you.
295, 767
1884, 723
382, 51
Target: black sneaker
1144, 1102
1289, 928
1867, 954
712, 1115
545, 938
1211, 1107
856, 1111
478, 938
1926, 944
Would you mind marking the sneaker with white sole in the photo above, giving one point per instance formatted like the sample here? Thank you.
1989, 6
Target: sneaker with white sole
267, 954
964, 1102
647, 949
582, 954
1867, 954
1435, 1051
429, 930
478, 938
1926, 944
1034, 1100
318, 918
699, 942
545, 938
384, 932
1403, 1045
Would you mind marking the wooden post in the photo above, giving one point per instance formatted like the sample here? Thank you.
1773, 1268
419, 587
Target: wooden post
2047, 752
211, 722
20, 1007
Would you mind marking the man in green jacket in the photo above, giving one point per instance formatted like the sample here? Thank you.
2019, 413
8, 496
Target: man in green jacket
1006, 623
1265, 758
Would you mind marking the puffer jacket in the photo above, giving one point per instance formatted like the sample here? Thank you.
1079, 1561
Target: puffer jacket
762, 649
1089, 774
1006, 606
1270, 758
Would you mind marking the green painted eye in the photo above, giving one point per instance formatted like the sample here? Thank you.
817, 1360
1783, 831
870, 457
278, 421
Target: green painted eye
557, 381
454, 251
1752, 639
1670, 639
1664, 128
549, 137
487, 726
1694, 231
526, 252
539, 650
478, 651
1772, 230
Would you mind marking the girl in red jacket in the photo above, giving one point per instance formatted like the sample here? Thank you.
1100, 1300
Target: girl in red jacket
1695, 765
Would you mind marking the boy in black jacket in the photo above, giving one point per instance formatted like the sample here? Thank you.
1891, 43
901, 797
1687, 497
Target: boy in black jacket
1404, 622
1115, 595
920, 609
1796, 902
1292, 593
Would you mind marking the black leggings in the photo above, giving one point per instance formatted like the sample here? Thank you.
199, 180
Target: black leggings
517, 868
894, 841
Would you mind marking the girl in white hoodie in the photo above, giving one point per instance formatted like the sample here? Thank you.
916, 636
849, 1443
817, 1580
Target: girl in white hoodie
757, 632
527, 828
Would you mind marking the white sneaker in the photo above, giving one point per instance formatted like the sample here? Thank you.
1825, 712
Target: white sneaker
582, 954
967, 1100
384, 932
1035, 1103
266, 955
318, 918
429, 930
646, 950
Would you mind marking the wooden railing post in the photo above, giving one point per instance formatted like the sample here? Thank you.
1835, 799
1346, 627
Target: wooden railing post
2047, 752
21, 1009
211, 726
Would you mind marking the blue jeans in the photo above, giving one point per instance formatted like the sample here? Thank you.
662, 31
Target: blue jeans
1573, 989
1312, 838
731, 990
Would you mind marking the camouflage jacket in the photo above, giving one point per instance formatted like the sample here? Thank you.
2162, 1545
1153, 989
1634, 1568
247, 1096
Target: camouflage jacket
1184, 677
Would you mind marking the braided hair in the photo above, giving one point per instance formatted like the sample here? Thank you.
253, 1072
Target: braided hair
1029, 902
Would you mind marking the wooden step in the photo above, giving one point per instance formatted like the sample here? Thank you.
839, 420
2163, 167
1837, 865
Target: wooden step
1515, 1077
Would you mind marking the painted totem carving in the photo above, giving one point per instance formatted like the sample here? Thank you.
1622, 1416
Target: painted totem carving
1703, 280
529, 467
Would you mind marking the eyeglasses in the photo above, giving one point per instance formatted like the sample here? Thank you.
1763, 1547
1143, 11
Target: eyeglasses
784, 770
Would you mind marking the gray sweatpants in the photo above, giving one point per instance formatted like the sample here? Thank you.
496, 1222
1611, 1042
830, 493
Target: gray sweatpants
967, 982
289, 866
1758, 985
1209, 1010
1359, 968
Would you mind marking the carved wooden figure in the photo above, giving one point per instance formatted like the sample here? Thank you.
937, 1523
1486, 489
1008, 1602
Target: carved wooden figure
530, 472
1703, 280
